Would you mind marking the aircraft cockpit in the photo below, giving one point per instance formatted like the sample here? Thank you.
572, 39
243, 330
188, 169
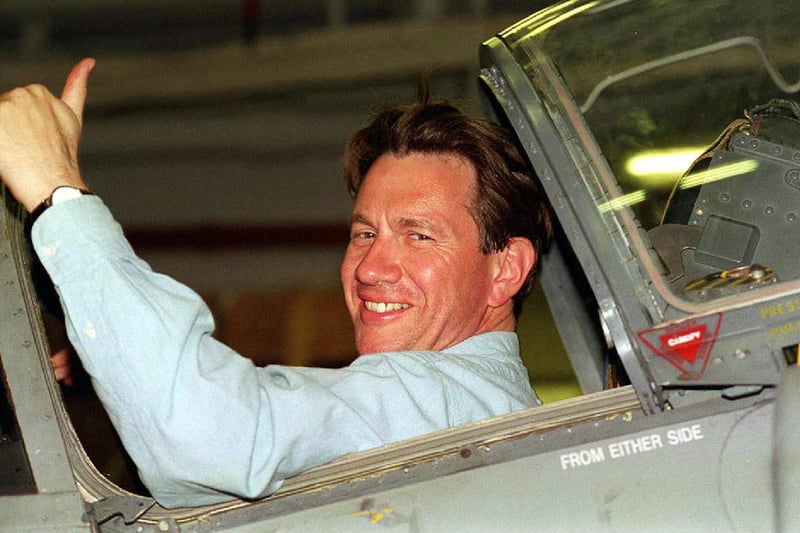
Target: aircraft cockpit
666, 135
668, 146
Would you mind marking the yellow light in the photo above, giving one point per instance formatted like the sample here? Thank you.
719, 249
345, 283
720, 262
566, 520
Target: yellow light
550, 13
720, 173
659, 163
616, 204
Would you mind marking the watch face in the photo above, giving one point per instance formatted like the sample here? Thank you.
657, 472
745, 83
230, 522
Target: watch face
62, 194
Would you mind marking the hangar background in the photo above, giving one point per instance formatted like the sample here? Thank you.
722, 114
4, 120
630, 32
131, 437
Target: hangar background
214, 131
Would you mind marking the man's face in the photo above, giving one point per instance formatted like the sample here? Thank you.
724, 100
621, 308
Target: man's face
414, 276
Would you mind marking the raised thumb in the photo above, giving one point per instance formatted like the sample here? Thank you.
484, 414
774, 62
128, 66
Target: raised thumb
75, 88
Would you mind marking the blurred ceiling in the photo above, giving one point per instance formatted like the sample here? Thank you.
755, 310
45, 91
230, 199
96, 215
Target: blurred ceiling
183, 50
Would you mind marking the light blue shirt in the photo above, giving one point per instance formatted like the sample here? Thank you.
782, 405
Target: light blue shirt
204, 424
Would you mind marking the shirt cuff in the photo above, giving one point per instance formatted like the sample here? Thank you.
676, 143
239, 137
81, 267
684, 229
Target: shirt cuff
72, 236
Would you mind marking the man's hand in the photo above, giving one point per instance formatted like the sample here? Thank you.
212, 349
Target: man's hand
39, 137
62, 365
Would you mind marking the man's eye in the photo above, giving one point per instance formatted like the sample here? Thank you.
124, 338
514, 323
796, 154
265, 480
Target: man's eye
420, 237
362, 235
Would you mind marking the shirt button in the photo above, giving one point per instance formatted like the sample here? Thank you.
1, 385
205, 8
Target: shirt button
89, 331
49, 250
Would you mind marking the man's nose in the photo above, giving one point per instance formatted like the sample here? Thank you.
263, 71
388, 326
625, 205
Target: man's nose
381, 263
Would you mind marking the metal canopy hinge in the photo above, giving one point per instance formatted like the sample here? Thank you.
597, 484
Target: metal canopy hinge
129, 508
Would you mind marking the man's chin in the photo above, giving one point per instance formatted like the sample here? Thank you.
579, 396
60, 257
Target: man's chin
374, 345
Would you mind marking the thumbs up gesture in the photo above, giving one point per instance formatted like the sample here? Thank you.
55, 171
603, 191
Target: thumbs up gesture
39, 136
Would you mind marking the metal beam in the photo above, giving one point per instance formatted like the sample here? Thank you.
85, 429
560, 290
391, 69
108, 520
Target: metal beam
337, 57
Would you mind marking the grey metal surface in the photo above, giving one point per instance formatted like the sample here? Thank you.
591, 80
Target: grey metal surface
15, 472
578, 323
603, 258
58, 512
410, 462
56, 504
786, 453
763, 203
666, 472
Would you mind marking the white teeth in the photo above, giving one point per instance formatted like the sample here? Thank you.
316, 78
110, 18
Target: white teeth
383, 307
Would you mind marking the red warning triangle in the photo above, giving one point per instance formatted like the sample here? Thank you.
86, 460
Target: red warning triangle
686, 345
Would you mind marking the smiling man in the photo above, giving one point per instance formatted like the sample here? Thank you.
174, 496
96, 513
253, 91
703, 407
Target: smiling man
446, 227
413, 244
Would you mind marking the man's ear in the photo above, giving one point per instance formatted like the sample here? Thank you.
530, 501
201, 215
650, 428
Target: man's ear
515, 262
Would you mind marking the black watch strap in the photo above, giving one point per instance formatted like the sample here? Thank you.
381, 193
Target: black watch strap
48, 202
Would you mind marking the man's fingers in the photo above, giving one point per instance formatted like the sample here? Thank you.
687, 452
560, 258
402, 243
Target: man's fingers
62, 365
75, 88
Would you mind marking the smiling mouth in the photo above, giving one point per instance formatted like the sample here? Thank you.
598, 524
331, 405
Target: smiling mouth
384, 307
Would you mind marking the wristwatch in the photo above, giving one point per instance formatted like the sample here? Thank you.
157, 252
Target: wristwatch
63, 194
60, 194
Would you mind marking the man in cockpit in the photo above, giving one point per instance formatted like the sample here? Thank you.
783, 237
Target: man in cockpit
446, 228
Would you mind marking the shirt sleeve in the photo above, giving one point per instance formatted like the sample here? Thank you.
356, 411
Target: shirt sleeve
202, 423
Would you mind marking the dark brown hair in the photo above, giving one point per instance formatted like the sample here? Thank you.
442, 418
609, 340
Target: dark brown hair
508, 201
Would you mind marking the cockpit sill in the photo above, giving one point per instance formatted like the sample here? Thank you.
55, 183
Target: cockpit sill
429, 456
